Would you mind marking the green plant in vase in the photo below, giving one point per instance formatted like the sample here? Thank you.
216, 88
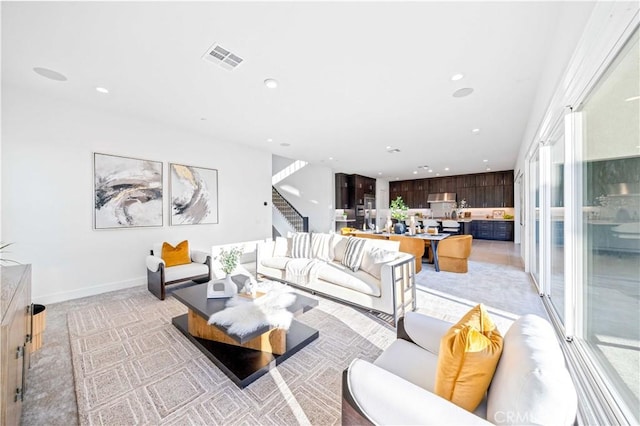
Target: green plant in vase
229, 259
399, 212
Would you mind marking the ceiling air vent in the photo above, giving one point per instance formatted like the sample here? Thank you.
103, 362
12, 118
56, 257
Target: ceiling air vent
223, 57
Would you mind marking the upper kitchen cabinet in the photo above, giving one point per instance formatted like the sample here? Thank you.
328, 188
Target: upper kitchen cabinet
504, 178
440, 185
351, 190
342, 191
420, 193
363, 186
465, 181
486, 179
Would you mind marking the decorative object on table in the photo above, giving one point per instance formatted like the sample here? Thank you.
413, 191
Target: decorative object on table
412, 225
388, 225
193, 194
243, 316
228, 259
222, 288
399, 213
127, 192
498, 214
249, 288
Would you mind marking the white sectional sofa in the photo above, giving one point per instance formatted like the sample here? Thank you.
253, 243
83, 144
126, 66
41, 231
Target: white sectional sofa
531, 384
384, 282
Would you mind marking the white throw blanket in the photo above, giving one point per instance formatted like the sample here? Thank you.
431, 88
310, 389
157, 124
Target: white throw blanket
302, 271
243, 316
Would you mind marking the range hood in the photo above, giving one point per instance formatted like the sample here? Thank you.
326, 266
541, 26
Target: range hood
443, 197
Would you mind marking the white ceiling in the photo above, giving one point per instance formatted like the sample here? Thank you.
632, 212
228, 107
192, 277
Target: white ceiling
353, 78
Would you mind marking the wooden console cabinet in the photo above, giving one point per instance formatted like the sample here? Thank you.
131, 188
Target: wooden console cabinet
15, 339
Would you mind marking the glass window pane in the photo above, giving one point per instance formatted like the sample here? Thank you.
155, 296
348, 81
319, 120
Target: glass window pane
611, 223
534, 172
556, 189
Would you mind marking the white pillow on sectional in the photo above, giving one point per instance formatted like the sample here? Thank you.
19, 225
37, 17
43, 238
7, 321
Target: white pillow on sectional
374, 258
281, 247
321, 247
339, 246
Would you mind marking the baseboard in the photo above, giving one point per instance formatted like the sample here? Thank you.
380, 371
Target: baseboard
89, 291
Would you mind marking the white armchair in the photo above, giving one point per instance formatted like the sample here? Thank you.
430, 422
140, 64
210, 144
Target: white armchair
159, 275
531, 384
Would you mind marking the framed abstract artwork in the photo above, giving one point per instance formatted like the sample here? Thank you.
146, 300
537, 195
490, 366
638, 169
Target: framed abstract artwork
127, 192
194, 195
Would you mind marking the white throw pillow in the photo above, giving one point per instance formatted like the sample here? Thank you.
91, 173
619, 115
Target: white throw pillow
374, 258
301, 245
281, 247
321, 247
354, 253
338, 247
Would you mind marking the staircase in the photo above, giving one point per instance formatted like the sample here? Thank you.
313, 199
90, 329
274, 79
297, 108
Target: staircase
285, 217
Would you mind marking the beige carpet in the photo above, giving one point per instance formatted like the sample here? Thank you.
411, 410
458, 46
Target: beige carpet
131, 366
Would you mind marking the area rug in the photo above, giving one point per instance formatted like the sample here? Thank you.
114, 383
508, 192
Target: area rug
131, 366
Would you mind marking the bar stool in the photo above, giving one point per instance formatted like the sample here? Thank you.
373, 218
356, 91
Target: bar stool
450, 227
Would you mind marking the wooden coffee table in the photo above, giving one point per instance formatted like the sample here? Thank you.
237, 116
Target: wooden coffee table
243, 358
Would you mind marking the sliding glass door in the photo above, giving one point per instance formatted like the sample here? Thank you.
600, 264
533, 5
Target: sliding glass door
555, 289
610, 220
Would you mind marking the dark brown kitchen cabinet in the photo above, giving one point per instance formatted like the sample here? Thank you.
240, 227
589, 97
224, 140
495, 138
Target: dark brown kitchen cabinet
342, 191
504, 178
439, 185
467, 194
485, 179
465, 181
420, 193
351, 190
507, 196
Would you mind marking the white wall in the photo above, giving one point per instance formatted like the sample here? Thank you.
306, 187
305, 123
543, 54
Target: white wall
311, 191
47, 186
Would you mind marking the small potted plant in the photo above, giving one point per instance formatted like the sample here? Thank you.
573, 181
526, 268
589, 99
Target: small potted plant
229, 259
399, 213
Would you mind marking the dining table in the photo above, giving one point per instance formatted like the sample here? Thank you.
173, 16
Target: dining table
433, 238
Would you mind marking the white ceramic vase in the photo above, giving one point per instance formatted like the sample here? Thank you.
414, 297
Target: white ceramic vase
230, 287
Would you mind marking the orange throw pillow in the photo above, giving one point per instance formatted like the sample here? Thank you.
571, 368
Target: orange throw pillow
178, 255
469, 355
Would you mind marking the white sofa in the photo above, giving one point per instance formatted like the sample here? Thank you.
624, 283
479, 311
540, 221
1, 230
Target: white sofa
384, 283
531, 384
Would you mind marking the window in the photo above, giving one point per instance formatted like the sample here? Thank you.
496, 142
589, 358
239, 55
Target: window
609, 300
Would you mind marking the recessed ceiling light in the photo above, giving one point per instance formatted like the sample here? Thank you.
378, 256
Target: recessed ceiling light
330, 158
415, 172
633, 98
430, 171
446, 169
485, 161
269, 140
388, 146
437, 174
457, 77
461, 93
476, 130
393, 150
271, 83
285, 144
102, 90
380, 173
50, 74
397, 178
488, 168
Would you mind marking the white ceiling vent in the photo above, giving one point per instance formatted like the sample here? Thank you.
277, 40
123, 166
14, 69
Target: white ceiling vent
221, 56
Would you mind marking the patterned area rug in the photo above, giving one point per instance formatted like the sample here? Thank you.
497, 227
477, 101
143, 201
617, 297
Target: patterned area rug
131, 366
